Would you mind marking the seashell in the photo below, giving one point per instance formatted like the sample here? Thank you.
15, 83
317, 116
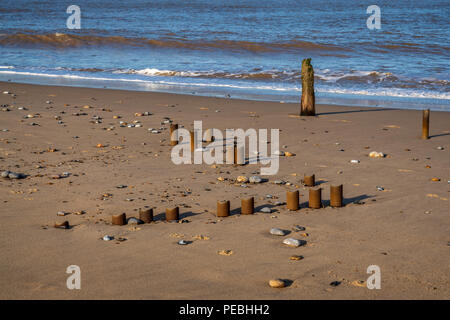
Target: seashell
277, 283
294, 242
277, 232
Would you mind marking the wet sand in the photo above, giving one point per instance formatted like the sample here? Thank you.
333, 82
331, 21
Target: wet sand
404, 229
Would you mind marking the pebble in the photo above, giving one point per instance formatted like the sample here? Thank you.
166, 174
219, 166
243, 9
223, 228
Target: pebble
440, 148
134, 220
182, 243
62, 213
242, 179
277, 283
375, 154
108, 238
5, 174
354, 161
279, 182
266, 210
380, 188
13, 175
293, 242
255, 179
277, 232
298, 228
296, 258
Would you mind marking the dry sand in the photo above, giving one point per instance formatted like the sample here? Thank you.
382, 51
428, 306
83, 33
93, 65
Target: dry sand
403, 229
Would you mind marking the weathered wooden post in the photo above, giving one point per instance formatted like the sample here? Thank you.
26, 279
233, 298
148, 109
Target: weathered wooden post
308, 102
426, 124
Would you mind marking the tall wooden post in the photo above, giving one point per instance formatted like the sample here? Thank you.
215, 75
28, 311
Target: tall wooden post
308, 102
426, 124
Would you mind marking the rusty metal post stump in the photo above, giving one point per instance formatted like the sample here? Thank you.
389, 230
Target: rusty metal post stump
223, 208
336, 196
247, 205
172, 214
119, 219
173, 135
146, 215
309, 181
426, 124
192, 140
315, 198
292, 200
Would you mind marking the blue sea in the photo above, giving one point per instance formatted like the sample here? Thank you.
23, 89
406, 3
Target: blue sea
236, 48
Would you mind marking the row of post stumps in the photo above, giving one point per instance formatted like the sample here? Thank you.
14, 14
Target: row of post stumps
146, 215
248, 204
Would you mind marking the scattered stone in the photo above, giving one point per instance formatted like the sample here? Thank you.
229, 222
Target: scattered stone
294, 242
63, 225
358, 283
277, 232
277, 283
255, 179
134, 220
13, 175
242, 179
335, 283
298, 228
266, 210
375, 154
289, 154
225, 252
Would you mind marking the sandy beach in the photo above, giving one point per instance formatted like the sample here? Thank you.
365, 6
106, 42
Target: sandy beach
403, 226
